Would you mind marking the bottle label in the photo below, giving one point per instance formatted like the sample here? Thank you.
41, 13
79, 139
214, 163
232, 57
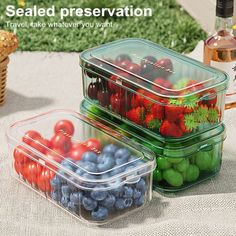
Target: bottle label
230, 69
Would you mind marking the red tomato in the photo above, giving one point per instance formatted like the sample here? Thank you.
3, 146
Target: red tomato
41, 145
44, 179
30, 136
20, 154
61, 142
55, 155
65, 126
31, 172
93, 144
19, 167
77, 151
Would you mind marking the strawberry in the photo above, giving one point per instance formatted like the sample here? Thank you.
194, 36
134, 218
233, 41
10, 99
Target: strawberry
173, 112
188, 110
193, 86
211, 98
214, 115
140, 96
136, 115
151, 122
134, 101
187, 123
118, 103
158, 111
169, 129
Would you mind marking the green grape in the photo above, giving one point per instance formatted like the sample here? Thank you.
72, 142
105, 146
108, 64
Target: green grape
157, 175
203, 160
162, 163
192, 159
215, 163
174, 160
173, 177
192, 173
182, 166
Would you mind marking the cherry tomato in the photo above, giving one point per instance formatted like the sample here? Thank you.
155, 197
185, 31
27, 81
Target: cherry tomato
93, 144
55, 155
77, 151
31, 172
65, 126
20, 154
19, 167
44, 179
41, 145
30, 136
61, 142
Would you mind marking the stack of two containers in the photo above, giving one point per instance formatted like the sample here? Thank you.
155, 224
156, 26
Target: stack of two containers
144, 105
171, 104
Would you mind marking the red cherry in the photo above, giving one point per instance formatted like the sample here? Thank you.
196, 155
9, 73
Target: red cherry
134, 68
30, 136
104, 98
93, 144
124, 64
164, 67
61, 142
92, 91
65, 126
161, 85
123, 57
77, 151
118, 104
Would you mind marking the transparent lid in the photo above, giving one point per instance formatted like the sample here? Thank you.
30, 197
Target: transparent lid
149, 66
106, 156
163, 146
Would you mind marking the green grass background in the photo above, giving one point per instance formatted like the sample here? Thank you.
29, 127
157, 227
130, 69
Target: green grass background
169, 26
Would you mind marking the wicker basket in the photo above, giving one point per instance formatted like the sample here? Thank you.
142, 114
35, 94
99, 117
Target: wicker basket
3, 79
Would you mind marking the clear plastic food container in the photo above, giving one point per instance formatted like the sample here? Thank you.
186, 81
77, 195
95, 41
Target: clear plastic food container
154, 88
84, 167
180, 165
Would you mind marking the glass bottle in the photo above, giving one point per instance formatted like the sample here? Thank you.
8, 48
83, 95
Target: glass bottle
220, 48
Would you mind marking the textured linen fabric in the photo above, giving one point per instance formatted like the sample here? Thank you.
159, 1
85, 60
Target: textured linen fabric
39, 82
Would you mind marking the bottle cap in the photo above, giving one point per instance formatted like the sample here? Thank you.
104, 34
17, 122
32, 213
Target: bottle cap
224, 8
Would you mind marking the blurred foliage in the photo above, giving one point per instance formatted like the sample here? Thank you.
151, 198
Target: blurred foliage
169, 26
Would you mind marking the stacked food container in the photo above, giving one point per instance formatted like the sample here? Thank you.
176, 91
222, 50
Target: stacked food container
170, 103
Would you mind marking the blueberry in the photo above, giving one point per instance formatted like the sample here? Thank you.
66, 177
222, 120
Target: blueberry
98, 194
72, 207
65, 190
65, 201
76, 198
117, 192
135, 161
128, 202
68, 162
122, 156
103, 156
56, 182
80, 172
139, 201
129, 168
88, 166
110, 148
120, 204
89, 176
141, 185
106, 164
71, 184
117, 170
56, 195
105, 176
137, 193
128, 192
61, 176
89, 204
100, 214
109, 201
90, 157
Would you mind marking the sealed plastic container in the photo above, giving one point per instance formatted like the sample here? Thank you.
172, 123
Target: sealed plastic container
154, 88
84, 167
180, 165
